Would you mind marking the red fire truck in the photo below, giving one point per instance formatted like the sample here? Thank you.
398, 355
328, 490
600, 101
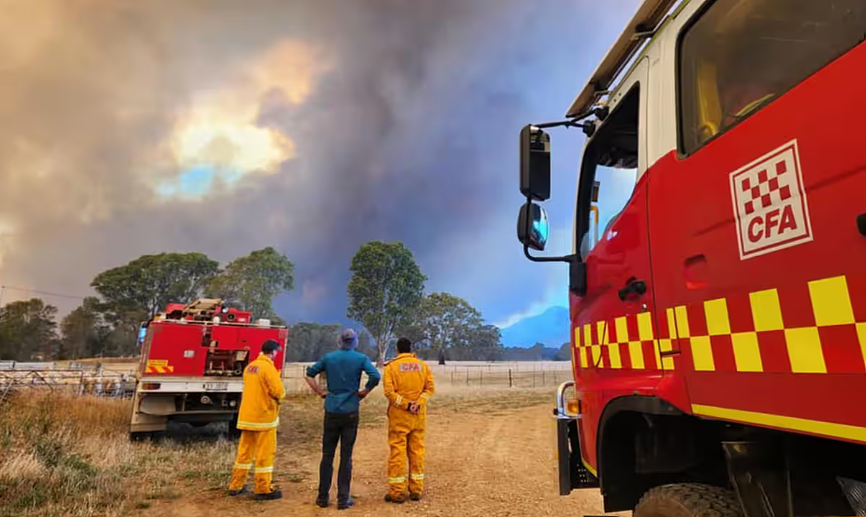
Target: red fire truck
192, 362
718, 272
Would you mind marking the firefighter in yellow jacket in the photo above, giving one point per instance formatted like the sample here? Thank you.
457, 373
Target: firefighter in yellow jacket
408, 385
258, 418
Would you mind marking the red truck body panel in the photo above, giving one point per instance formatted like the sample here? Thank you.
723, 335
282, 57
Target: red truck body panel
750, 316
180, 348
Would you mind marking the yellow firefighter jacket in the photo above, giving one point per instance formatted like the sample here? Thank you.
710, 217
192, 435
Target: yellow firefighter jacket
263, 392
407, 380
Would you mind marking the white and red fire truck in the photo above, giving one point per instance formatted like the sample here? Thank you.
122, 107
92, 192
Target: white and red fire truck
192, 362
718, 274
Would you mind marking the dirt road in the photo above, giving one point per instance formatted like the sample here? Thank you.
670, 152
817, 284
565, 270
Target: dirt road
478, 465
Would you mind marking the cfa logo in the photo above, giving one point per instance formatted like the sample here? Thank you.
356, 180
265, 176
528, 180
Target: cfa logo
770, 203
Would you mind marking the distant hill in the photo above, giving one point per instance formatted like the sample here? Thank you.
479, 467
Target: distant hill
550, 328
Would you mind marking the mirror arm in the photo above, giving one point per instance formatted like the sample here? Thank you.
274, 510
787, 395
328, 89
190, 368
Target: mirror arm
563, 258
600, 113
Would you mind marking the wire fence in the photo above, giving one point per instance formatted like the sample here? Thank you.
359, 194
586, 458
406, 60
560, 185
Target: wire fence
514, 374
72, 378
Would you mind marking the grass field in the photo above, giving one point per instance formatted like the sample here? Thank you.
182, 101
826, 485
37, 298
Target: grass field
71, 456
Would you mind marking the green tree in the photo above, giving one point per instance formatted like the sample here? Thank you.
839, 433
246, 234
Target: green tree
386, 288
84, 330
252, 282
150, 282
27, 329
310, 341
564, 353
449, 325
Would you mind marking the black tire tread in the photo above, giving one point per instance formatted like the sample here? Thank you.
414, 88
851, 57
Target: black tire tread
698, 500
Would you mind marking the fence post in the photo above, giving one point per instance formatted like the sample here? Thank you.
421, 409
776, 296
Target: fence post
481, 371
543, 383
467, 376
452, 377
510, 383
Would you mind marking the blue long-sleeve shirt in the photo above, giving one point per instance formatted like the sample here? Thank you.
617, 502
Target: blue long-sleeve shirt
343, 368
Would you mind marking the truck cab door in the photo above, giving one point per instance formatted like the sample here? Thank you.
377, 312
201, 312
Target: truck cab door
613, 323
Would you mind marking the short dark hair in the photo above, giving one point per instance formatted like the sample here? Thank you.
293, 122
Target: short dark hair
404, 346
270, 346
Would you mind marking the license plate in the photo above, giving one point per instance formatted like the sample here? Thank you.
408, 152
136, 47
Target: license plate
216, 386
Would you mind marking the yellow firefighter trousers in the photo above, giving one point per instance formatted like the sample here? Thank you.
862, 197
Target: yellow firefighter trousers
405, 431
263, 446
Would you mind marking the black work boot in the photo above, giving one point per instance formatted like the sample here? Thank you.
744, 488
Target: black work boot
396, 500
345, 505
415, 496
322, 502
240, 491
274, 494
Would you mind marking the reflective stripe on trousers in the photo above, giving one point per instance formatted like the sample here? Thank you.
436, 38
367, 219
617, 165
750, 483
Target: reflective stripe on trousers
263, 446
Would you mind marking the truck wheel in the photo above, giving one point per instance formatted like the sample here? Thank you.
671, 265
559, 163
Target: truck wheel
140, 436
233, 432
688, 500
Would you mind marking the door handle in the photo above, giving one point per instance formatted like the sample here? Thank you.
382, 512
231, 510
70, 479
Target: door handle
633, 287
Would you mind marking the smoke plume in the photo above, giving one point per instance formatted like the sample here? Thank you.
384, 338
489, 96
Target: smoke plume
134, 127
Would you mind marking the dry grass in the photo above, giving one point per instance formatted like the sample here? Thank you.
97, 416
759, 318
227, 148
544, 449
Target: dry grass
71, 456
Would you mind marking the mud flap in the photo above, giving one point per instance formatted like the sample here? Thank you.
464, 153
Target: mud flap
572, 474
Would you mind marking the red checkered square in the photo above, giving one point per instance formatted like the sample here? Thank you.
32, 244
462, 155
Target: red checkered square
781, 168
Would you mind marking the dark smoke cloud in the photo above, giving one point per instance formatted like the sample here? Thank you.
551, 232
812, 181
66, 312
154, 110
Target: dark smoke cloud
408, 133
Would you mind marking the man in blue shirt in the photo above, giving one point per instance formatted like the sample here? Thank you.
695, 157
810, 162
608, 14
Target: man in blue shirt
343, 371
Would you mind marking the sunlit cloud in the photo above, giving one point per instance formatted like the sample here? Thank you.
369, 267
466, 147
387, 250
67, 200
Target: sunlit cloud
220, 133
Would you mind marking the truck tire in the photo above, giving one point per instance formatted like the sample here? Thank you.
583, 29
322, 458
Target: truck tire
688, 500
140, 436
233, 432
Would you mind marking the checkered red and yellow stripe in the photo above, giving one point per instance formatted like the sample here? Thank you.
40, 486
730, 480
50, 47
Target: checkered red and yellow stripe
813, 328
160, 369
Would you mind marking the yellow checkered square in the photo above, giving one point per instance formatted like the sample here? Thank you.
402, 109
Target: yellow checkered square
682, 322
831, 302
804, 350
621, 330
635, 353
672, 323
766, 310
747, 354
603, 336
613, 352
702, 353
577, 336
587, 335
645, 326
584, 362
718, 323
665, 345
596, 353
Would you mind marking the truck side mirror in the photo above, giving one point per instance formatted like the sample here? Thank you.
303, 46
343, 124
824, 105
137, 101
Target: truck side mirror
533, 228
534, 163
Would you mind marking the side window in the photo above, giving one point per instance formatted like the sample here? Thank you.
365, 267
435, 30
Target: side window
740, 55
612, 160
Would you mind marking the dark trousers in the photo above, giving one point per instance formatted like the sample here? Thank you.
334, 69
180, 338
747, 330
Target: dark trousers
343, 428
